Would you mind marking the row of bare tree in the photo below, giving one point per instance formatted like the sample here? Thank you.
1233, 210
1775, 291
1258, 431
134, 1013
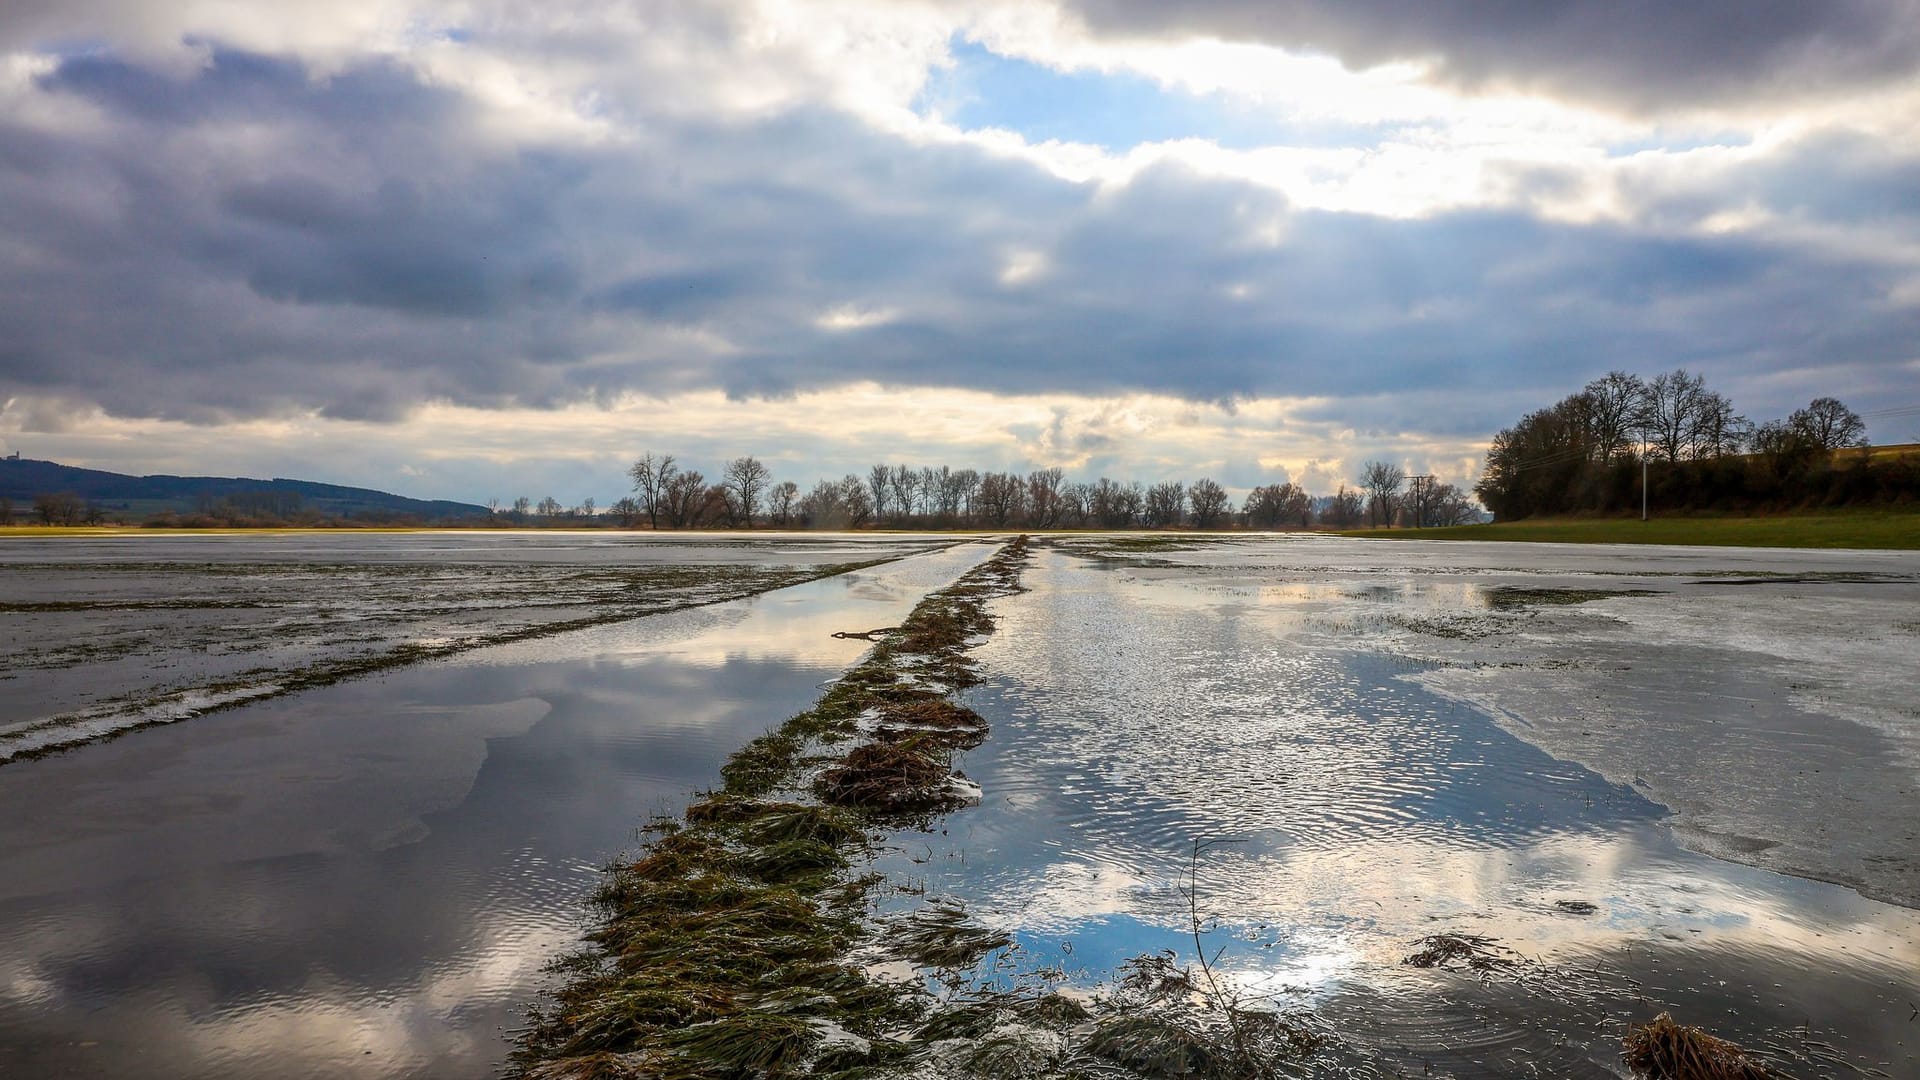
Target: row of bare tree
668, 496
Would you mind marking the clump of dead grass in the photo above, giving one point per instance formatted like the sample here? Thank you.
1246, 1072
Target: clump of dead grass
1454, 951
1663, 1049
889, 777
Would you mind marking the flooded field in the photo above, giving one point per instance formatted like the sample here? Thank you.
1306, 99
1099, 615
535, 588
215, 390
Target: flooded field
366, 879
1347, 726
112, 633
1592, 765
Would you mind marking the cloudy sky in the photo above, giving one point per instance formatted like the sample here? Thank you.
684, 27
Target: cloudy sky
477, 249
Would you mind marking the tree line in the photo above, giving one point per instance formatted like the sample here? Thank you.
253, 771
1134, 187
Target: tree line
1589, 453
667, 495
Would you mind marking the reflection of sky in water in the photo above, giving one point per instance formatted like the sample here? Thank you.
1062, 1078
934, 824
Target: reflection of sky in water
367, 880
1132, 718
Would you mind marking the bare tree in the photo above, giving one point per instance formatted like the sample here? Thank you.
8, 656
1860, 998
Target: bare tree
854, 496
1166, 505
880, 488
1209, 501
1670, 412
1343, 509
60, 508
1043, 497
715, 505
521, 506
587, 507
681, 499
1130, 504
1076, 504
1448, 505
1829, 425
1275, 505
1382, 482
782, 501
549, 508
966, 484
626, 512
1614, 404
1717, 429
902, 482
1002, 499
651, 478
745, 481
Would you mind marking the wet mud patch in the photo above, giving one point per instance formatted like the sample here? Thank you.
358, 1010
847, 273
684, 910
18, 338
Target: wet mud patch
1515, 597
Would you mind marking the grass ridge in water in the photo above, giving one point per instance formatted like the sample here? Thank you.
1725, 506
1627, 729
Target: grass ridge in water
725, 949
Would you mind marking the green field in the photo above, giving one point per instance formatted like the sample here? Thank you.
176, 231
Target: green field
1840, 529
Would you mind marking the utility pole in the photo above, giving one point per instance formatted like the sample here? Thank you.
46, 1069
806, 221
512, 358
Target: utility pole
1422, 486
1643, 482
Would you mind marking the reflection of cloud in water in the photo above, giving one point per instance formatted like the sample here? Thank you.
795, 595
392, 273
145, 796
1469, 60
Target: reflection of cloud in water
1136, 711
367, 879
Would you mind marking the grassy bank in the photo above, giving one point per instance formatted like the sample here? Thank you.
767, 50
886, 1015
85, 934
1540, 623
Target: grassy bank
1843, 529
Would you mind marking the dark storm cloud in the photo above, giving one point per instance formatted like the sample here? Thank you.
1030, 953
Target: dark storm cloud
1644, 54
374, 251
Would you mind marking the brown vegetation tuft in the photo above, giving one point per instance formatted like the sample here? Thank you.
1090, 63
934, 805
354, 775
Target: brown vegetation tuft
1470, 951
889, 776
1663, 1049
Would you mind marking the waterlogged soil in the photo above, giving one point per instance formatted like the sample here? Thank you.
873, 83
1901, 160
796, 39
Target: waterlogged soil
1356, 733
104, 635
367, 879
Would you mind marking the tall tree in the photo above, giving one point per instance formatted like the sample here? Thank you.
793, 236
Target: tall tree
1829, 424
1670, 412
782, 501
880, 488
1166, 505
1343, 509
1043, 497
651, 478
745, 480
1615, 401
1382, 481
1209, 501
682, 498
854, 496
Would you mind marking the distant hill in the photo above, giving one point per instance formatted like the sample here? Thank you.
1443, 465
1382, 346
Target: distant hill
139, 496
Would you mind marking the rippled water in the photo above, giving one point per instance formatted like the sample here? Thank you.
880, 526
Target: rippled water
1359, 812
365, 880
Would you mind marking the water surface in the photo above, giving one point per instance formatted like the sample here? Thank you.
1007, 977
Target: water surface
1357, 811
365, 880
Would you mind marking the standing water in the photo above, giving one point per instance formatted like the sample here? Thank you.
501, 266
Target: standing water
367, 879
1169, 755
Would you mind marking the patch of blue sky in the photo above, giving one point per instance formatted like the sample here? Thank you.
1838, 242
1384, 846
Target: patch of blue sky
1677, 143
1113, 110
